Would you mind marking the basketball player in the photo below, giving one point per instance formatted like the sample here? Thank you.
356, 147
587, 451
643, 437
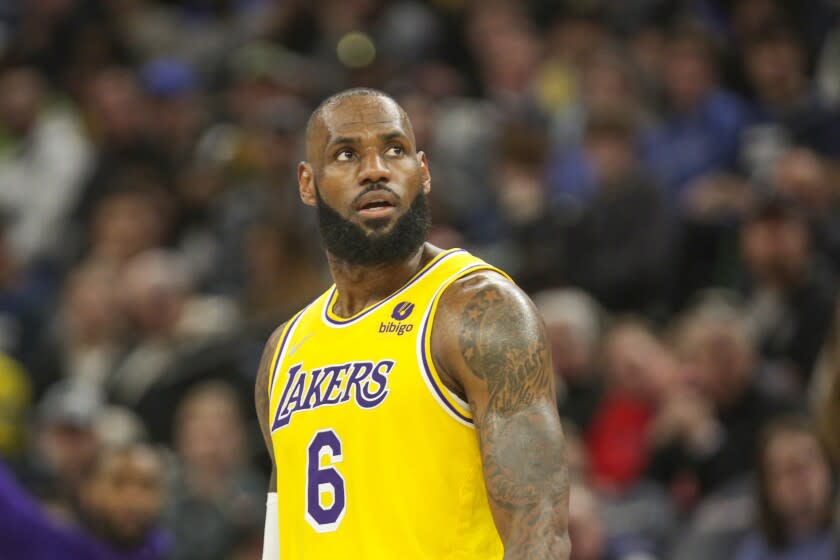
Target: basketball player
410, 410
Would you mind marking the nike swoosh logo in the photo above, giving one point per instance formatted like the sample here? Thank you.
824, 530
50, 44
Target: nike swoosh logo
297, 346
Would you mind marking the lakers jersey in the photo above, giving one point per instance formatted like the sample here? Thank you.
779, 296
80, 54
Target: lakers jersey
375, 458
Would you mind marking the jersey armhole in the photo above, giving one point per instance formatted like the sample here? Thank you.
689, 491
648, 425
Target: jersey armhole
454, 405
280, 349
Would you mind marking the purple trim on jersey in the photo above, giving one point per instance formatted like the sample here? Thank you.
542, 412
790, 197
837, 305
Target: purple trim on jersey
341, 322
426, 369
286, 335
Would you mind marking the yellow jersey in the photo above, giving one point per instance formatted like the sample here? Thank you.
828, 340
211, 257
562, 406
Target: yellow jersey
375, 458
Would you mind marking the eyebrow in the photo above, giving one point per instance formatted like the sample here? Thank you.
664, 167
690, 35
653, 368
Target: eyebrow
385, 137
393, 135
342, 140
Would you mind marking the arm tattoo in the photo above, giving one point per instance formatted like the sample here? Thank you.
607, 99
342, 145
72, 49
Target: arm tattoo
521, 442
494, 348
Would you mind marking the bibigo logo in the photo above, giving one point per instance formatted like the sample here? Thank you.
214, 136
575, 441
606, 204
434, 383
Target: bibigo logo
400, 313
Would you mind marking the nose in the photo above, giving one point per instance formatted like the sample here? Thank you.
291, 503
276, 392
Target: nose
373, 169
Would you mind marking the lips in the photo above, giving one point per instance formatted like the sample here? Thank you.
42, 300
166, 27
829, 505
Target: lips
376, 203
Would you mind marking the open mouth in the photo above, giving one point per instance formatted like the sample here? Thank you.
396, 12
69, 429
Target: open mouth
376, 203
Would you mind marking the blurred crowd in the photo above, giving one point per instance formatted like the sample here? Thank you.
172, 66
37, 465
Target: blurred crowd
662, 176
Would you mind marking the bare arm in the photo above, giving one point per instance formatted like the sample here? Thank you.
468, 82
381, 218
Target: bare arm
493, 344
261, 400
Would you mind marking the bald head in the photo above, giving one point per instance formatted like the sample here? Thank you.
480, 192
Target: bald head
364, 105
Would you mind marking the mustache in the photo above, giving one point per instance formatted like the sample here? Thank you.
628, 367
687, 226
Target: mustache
375, 187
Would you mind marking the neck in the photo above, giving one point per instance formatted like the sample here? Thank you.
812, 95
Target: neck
360, 286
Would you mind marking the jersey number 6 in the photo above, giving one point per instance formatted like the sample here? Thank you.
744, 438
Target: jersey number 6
324, 480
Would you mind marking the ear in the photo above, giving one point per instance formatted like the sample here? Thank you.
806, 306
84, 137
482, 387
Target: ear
425, 176
306, 184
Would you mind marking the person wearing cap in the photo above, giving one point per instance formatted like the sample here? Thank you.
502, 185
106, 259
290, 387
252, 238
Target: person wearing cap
65, 442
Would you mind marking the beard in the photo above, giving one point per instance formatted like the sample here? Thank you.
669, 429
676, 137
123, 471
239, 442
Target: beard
352, 244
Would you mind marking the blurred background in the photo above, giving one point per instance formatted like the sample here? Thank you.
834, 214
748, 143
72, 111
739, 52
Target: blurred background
662, 176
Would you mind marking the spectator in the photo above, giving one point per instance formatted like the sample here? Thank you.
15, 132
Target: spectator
466, 144
118, 117
638, 371
503, 42
278, 275
26, 292
795, 498
793, 289
44, 161
120, 501
523, 212
65, 445
711, 419
708, 235
169, 321
702, 124
619, 250
175, 99
575, 38
606, 88
589, 536
573, 322
124, 224
83, 343
806, 179
787, 109
216, 496
259, 188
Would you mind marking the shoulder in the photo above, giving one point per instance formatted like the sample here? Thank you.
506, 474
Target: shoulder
486, 289
482, 316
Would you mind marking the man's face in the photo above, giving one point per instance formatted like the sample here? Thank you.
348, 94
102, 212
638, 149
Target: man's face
775, 68
125, 496
713, 362
689, 73
68, 449
612, 157
799, 479
776, 251
571, 355
21, 95
368, 181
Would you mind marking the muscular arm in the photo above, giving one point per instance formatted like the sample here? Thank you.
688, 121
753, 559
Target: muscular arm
492, 343
261, 400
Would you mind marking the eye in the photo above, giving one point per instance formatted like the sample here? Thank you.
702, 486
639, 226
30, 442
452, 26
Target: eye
345, 154
395, 151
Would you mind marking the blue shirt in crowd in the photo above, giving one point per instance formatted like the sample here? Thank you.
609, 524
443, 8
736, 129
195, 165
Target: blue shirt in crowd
688, 145
816, 547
